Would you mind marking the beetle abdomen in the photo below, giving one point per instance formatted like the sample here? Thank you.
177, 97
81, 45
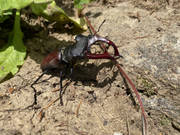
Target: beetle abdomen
51, 61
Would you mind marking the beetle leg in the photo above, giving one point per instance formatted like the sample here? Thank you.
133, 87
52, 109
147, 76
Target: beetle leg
35, 92
71, 70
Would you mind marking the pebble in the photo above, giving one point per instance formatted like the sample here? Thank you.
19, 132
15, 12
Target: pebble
117, 133
178, 70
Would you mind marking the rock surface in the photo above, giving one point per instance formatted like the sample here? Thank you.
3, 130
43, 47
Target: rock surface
147, 36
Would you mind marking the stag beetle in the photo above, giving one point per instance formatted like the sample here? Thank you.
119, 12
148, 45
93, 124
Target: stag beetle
80, 50
68, 57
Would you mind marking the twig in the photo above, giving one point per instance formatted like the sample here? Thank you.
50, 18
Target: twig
133, 16
41, 113
143, 128
136, 92
89, 23
77, 110
128, 79
52, 102
55, 90
11, 90
142, 37
127, 123
62, 124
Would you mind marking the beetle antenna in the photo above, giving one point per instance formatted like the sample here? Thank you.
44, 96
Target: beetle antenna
90, 30
100, 27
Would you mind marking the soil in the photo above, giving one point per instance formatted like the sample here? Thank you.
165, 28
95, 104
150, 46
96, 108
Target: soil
97, 100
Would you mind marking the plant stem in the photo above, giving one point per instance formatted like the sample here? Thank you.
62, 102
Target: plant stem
128, 79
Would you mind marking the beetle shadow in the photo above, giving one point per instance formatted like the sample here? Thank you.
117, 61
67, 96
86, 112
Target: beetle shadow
87, 74
128, 90
94, 15
80, 74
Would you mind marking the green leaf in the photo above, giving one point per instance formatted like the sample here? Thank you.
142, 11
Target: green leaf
42, 1
14, 4
54, 13
3, 18
5, 15
6, 7
79, 3
12, 54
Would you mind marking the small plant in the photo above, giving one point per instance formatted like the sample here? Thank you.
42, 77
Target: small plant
146, 86
165, 120
13, 53
79, 3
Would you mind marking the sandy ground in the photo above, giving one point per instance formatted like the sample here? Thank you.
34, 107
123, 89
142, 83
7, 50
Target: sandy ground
147, 35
